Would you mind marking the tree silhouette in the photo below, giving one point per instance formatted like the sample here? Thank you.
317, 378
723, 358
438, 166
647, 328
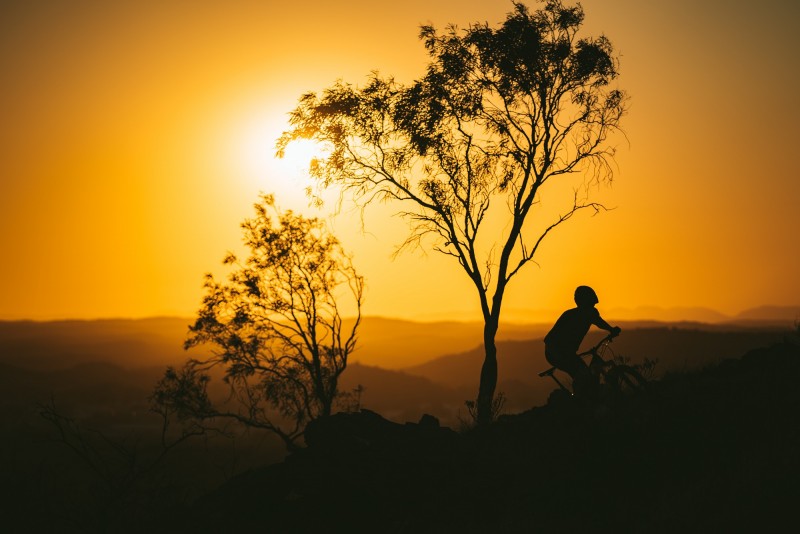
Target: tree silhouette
500, 113
274, 326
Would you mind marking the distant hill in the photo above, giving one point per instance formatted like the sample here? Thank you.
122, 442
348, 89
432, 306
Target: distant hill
775, 315
382, 342
519, 362
401, 396
387, 343
88, 364
643, 313
397, 344
788, 314
61, 344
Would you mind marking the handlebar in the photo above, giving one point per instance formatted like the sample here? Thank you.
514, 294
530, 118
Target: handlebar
593, 351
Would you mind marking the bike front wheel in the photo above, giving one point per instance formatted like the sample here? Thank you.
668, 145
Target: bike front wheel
625, 379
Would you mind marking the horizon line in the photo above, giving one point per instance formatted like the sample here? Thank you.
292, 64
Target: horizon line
534, 316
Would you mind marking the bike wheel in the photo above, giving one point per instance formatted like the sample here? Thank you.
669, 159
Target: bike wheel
605, 352
625, 379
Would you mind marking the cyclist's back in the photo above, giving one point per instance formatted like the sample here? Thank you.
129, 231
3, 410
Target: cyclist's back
570, 329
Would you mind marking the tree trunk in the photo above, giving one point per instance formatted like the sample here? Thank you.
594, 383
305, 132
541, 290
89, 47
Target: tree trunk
488, 381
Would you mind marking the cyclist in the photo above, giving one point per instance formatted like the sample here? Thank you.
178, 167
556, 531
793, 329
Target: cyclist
562, 342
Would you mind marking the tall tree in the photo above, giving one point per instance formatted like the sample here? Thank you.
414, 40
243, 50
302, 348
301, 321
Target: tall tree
500, 114
275, 327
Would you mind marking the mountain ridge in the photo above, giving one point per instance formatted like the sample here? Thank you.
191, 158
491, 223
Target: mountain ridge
385, 342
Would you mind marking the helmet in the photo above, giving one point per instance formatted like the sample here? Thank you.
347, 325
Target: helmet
585, 296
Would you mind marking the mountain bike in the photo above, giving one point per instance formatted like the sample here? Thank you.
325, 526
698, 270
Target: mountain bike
613, 373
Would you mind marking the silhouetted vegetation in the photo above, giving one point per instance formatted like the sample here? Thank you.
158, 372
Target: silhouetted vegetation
121, 480
501, 115
275, 328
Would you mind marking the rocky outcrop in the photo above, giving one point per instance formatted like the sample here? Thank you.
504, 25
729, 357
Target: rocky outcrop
367, 430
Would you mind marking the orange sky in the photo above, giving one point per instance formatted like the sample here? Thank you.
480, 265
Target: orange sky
134, 137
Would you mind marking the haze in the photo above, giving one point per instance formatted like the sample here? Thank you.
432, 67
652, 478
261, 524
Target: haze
136, 135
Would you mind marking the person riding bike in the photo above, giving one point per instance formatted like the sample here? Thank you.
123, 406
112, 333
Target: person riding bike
565, 338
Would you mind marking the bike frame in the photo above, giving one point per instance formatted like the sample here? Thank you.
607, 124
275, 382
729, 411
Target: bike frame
594, 351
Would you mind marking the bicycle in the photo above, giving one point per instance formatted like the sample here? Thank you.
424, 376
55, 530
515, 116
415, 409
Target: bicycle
612, 373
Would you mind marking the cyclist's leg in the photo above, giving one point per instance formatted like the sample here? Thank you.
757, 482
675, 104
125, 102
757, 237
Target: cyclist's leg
563, 361
583, 380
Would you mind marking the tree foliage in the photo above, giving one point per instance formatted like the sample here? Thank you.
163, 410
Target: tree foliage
274, 326
499, 115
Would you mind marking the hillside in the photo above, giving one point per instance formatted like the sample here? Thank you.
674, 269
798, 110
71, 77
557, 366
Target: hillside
707, 451
109, 400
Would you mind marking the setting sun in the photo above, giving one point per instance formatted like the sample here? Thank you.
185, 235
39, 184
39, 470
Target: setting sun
297, 157
252, 152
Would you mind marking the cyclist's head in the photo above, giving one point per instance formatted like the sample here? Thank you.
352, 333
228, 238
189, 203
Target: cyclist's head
585, 296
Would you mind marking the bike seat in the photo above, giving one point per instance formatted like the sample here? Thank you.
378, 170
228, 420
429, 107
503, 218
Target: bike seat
548, 372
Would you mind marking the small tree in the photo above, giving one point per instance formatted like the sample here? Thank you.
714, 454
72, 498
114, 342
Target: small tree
275, 327
499, 115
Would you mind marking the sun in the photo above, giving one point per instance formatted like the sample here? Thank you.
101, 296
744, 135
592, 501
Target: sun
256, 150
253, 152
299, 154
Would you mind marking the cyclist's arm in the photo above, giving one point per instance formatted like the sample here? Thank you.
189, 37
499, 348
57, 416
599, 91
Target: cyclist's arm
599, 322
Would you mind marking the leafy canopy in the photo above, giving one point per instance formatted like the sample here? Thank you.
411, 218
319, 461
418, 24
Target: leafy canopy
274, 326
499, 113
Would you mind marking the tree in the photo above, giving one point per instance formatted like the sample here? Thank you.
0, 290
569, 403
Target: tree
500, 114
275, 327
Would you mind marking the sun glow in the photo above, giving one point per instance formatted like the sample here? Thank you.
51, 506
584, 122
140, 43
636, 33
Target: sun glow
298, 156
253, 156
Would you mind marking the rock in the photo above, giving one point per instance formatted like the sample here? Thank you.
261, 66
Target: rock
428, 421
368, 430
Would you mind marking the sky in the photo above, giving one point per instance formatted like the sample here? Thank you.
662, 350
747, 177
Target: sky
136, 135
